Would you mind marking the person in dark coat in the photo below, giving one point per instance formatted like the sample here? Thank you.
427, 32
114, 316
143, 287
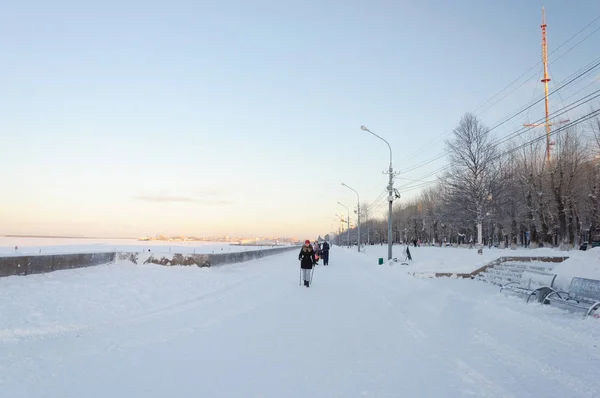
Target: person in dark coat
307, 261
325, 253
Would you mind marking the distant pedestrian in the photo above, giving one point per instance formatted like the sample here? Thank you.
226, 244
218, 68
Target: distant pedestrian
307, 261
325, 253
317, 249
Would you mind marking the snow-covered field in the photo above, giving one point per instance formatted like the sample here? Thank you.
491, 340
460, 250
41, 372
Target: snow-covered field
456, 260
361, 330
71, 245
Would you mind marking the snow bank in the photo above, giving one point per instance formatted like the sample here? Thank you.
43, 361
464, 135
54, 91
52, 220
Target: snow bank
582, 264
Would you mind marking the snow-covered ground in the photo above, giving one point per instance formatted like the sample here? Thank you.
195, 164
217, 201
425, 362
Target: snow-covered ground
28, 245
430, 260
583, 264
361, 330
455, 259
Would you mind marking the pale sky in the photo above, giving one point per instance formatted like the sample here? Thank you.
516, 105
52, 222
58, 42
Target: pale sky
124, 118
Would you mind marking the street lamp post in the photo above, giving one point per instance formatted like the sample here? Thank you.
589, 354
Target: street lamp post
390, 189
348, 210
358, 211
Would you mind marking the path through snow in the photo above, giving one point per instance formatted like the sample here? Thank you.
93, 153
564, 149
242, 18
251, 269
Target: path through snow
249, 330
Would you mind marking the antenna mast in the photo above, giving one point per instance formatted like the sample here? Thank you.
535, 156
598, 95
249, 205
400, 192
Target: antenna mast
546, 80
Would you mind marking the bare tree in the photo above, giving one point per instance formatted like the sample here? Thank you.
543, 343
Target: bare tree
530, 178
473, 176
365, 210
590, 217
519, 195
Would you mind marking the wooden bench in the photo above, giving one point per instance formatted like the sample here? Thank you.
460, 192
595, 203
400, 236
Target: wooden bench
533, 283
583, 294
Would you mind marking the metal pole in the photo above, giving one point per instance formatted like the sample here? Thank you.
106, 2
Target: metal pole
348, 228
358, 211
390, 200
390, 189
348, 210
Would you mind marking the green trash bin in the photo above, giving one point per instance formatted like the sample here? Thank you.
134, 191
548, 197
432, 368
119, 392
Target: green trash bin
380, 260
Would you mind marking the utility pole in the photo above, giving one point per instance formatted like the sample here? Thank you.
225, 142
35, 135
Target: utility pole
390, 189
358, 211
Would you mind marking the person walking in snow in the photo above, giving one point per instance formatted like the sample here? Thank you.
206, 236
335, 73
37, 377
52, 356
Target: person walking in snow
325, 253
317, 249
307, 261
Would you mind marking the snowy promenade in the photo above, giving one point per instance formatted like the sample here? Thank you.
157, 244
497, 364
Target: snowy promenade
249, 330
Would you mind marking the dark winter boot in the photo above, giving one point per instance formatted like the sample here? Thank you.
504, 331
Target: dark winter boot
306, 283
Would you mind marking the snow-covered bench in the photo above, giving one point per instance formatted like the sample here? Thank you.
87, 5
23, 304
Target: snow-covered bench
583, 294
532, 283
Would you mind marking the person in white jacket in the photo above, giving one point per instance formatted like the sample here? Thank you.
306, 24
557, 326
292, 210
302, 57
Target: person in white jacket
317, 249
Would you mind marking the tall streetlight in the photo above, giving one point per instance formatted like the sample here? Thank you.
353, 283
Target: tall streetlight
358, 211
348, 210
390, 189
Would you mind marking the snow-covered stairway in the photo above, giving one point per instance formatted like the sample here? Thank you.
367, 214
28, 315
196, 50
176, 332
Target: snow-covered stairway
503, 270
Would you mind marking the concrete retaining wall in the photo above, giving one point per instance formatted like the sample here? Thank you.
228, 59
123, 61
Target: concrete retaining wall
38, 264
200, 260
26, 265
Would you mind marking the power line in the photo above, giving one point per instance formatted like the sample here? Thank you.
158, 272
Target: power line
551, 62
564, 127
562, 85
573, 77
575, 104
509, 151
562, 111
410, 186
524, 74
381, 195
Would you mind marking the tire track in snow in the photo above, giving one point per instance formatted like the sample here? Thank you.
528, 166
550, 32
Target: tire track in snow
216, 316
410, 326
514, 358
242, 307
415, 331
181, 332
191, 303
24, 335
162, 332
476, 380
443, 348
556, 334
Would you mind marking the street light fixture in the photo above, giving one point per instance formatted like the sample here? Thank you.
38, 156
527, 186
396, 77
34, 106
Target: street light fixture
358, 211
348, 210
390, 189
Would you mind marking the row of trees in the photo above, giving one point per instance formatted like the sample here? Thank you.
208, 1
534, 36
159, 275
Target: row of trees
495, 193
